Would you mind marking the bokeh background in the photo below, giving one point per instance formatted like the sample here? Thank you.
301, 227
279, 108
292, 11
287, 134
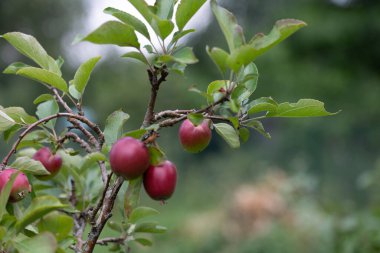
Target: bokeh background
312, 188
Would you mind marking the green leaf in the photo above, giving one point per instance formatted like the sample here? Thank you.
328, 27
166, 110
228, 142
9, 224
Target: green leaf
186, 10
245, 54
261, 105
248, 78
244, 134
30, 166
137, 134
14, 67
46, 109
132, 196
143, 241
258, 126
178, 35
6, 122
216, 90
136, 55
219, 57
92, 158
150, 227
39, 207
42, 243
10, 132
178, 68
143, 8
44, 76
185, 56
43, 98
165, 8
60, 61
230, 28
303, 108
58, 224
195, 118
228, 133
74, 92
129, 20
115, 33
141, 212
19, 115
162, 27
114, 126
5, 193
31, 48
83, 74
156, 155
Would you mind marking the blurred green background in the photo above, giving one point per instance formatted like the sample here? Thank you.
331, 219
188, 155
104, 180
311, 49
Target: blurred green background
312, 188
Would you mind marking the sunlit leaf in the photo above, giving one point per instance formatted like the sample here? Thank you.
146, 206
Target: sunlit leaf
14, 67
83, 74
219, 57
165, 8
186, 10
261, 105
303, 108
228, 133
44, 76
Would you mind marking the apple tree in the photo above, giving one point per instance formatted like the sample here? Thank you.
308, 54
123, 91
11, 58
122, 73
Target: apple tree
60, 182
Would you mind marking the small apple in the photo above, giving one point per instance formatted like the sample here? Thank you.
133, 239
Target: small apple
20, 186
160, 180
52, 163
194, 138
129, 158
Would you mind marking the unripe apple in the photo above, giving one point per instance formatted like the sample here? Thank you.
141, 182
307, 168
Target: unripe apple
129, 158
52, 163
160, 180
20, 186
194, 138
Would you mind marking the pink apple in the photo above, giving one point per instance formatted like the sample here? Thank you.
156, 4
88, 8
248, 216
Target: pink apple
20, 187
194, 138
160, 180
129, 158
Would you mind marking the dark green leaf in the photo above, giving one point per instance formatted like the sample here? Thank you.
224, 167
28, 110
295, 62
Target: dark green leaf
30, 166
4, 195
261, 105
258, 126
137, 134
44, 76
57, 223
303, 108
136, 55
42, 243
156, 155
149, 49
39, 207
245, 54
43, 98
114, 126
228, 133
219, 57
195, 118
30, 47
141, 212
186, 10
46, 109
114, 32
143, 241
150, 227
14, 67
129, 20
244, 134
230, 28
83, 74
10, 132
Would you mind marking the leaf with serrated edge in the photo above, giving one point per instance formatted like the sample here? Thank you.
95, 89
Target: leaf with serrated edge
186, 10
44, 76
228, 133
83, 74
114, 126
303, 108
30, 47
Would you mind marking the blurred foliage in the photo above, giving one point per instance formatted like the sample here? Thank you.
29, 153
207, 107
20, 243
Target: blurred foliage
335, 59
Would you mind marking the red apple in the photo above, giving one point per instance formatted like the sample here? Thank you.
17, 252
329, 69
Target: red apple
129, 158
194, 138
52, 163
160, 180
20, 187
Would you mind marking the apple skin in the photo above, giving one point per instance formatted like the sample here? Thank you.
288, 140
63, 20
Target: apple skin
193, 138
129, 158
52, 163
20, 187
160, 180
